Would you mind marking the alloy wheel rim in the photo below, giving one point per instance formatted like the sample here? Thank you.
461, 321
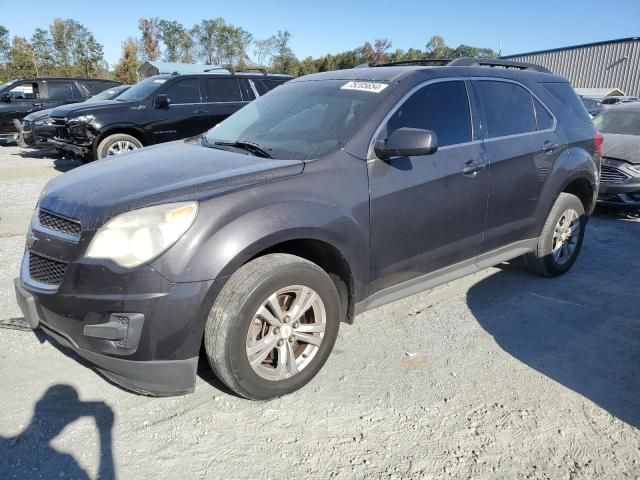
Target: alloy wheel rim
565, 237
286, 332
120, 147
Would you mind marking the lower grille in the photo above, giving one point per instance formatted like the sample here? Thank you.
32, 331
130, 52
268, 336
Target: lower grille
60, 224
609, 174
46, 270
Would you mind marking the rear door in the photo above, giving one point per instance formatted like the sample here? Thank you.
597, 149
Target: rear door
522, 143
184, 116
223, 97
426, 214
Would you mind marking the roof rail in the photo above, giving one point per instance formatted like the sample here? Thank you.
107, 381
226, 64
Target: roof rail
254, 69
421, 61
496, 63
229, 69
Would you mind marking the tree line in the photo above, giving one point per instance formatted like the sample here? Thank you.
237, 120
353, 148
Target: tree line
68, 48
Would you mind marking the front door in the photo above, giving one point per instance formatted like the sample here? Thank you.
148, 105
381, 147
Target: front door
183, 117
428, 212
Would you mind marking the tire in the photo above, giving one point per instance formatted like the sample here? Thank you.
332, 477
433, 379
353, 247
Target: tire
546, 261
237, 323
117, 141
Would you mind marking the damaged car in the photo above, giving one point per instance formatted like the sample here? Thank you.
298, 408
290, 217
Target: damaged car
159, 109
19, 98
37, 129
620, 170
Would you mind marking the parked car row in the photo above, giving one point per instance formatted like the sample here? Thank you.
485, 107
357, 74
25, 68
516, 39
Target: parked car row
334, 194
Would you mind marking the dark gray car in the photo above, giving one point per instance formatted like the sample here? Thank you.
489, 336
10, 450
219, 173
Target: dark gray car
620, 179
331, 195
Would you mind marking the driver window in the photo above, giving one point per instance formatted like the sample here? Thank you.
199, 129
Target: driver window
441, 107
24, 91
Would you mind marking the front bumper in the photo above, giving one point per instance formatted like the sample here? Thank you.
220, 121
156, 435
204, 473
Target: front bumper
146, 342
619, 185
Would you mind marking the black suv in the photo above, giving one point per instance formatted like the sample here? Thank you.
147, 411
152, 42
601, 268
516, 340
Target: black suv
334, 194
19, 98
159, 109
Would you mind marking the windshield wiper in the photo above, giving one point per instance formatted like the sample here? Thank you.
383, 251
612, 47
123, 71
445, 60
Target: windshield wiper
251, 147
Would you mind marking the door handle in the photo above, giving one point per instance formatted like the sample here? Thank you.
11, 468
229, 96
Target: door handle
38, 104
472, 168
549, 147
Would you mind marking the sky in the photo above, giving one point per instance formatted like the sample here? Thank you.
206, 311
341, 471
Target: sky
331, 26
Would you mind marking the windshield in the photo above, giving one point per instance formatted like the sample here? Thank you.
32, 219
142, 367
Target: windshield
5, 85
109, 94
302, 120
619, 120
141, 90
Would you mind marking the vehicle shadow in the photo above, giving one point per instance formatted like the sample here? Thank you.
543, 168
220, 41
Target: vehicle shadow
581, 329
64, 164
30, 453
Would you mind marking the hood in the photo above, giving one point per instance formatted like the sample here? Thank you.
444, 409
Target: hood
40, 114
621, 147
77, 109
169, 172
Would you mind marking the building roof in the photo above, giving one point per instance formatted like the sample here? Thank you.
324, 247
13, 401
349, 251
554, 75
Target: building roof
573, 47
150, 68
599, 92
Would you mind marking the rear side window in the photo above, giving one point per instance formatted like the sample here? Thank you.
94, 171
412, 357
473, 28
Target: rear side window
271, 84
63, 91
441, 107
508, 108
260, 86
96, 86
224, 90
566, 94
543, 117
184, 91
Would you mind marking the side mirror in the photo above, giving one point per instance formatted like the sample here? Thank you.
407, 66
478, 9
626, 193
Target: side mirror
162, 101
6, 97
407, 142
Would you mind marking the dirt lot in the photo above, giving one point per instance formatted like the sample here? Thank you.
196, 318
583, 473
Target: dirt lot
499, 375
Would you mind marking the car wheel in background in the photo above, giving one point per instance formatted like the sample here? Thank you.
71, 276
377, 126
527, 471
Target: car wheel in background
273, 326
117, 144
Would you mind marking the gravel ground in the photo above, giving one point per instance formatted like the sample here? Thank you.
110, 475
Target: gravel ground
499, 375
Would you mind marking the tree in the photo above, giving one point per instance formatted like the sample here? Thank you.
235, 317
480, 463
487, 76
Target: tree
380, 47
88, 56
284, 61
21, 62
437, 48
307, 67
150, 33
178, 41
207, 36
265, 50
5, 45
126, 70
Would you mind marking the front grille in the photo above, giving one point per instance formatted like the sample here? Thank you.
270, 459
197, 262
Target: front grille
60, 224
609, 174
46, 270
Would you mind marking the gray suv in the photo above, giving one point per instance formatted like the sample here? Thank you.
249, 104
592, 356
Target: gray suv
331, 195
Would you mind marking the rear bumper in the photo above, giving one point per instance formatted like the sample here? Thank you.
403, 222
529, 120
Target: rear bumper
154, 352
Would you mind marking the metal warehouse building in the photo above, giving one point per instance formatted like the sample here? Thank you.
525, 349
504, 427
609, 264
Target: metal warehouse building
611, 64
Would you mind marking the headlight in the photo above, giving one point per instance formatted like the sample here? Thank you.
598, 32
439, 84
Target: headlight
82, 119
44, 121
635, 168
135, 237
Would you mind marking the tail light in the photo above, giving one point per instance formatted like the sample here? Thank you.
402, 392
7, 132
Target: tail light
598, 141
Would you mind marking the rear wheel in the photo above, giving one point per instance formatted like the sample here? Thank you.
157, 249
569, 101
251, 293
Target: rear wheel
273, 326
561, 238
117, 144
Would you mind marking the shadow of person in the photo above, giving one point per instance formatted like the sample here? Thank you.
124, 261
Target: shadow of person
580, 330
30, 454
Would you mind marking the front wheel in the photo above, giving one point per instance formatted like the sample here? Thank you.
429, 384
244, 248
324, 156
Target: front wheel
561, 238
117, 144
273, 326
